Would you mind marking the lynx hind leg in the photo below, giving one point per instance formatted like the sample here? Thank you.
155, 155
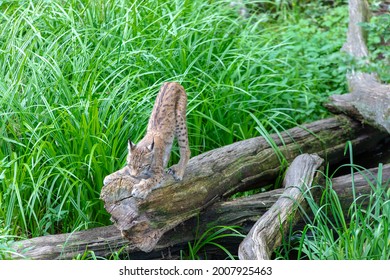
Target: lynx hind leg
181, 134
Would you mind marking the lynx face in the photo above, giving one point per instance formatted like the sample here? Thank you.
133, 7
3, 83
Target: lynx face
139, 160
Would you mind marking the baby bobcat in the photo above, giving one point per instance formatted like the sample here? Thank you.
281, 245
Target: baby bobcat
148, 159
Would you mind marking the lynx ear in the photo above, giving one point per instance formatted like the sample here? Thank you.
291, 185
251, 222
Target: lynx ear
151, 146
130, 146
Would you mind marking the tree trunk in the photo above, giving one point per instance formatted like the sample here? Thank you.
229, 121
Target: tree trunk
368, 100
224, 171
103, 241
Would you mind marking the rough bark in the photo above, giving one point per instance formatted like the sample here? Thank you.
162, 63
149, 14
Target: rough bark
241, 211
368, 100
224, 171
268, 231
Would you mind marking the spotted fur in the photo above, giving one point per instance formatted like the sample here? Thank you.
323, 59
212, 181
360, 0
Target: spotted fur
148, 159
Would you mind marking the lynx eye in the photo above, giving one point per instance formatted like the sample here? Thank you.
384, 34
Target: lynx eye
146, 166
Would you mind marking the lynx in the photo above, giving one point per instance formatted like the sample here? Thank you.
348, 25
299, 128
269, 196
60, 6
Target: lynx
148, 159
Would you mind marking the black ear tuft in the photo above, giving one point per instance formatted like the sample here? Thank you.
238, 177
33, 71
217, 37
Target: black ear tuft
151, 146
130, 145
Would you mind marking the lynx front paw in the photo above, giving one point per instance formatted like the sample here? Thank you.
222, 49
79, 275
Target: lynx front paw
140, 190
178, 176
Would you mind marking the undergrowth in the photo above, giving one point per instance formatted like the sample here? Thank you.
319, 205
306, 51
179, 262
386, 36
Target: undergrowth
333, 232
197, 249
78, 78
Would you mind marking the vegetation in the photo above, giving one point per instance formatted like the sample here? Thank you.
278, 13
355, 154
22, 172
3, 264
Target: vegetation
196, 249
378, 39
79, 77
361, 233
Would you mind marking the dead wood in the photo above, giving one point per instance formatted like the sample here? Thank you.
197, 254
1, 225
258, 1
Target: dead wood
268, 231
224, 171
368, 100
243, 211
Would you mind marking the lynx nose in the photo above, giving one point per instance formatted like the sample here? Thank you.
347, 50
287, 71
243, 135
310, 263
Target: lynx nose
133, 173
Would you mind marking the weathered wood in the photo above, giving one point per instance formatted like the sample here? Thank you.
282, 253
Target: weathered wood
223, 171
245, 210
368, 100
268, 231
101, 240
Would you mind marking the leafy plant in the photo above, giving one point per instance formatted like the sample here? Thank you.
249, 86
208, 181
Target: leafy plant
78, 78
361, 232
196, 250
6, 240
378, 41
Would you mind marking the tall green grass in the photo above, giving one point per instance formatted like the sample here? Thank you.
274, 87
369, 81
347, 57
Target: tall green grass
362, 232
78, 78
210, 238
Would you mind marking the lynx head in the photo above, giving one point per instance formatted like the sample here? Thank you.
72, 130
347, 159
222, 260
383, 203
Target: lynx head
139, 160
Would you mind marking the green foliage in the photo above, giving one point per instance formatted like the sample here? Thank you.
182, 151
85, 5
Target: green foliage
316, 56
314, 34
6, 240
361, 233
78, 78
365, 236
210, 237
90, 255
378, 41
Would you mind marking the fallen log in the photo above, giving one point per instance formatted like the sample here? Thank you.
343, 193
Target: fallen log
217, 173
104, 241
267, 233
368, 100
